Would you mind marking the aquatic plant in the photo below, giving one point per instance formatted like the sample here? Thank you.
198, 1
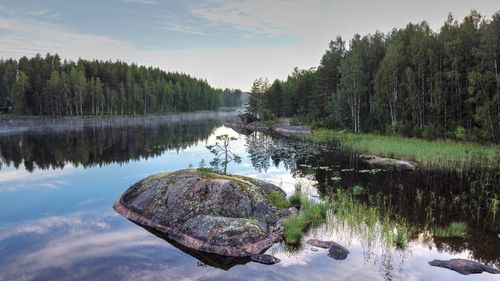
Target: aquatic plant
312, 213
454, 230
368, 221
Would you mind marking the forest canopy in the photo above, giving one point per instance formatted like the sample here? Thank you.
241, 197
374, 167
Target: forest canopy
412, 81
49, 86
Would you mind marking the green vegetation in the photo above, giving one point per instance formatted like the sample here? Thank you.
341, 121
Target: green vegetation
222, 154
204, 172
357, 190
369, 222
412, 81
49, 86
278, 199
312, 213
423, 151
454, 230
295, 199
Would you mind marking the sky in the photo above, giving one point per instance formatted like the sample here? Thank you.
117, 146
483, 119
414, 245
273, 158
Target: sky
228, 43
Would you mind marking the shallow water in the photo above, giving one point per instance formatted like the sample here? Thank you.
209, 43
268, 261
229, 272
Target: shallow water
57, 188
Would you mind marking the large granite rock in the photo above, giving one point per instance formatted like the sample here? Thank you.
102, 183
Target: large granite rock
464, 266
225, 215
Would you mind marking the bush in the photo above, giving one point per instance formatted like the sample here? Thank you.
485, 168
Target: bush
357, 190
460, 133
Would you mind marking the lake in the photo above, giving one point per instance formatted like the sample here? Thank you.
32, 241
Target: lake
58, 181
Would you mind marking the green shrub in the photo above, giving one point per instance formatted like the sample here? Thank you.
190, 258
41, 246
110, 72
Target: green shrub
460, 133
357, 190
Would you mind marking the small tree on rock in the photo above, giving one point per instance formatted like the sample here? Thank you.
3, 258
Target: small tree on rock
223, 154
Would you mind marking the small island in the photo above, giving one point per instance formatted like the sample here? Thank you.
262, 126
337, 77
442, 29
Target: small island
226, 215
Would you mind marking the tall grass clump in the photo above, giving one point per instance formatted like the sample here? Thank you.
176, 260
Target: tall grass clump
368, 222
454, 230
278, 200
312, 213
295, 199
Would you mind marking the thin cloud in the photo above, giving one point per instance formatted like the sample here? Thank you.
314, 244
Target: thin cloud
144, 2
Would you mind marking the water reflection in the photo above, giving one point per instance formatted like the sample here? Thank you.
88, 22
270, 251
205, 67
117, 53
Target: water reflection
101, 144
59, 225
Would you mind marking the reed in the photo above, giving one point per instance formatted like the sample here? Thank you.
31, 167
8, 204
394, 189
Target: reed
442, 153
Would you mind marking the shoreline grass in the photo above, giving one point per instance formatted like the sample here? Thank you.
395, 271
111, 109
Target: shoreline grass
311, 214
440, 152
454, 230
369, 222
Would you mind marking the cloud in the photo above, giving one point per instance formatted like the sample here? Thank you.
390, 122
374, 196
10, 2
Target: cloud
79, 220
20, 179
300, 29
221, 67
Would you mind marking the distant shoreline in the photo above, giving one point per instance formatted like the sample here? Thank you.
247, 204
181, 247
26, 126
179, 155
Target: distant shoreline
18, 124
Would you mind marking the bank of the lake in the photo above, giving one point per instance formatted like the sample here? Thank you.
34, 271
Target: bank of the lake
438, 152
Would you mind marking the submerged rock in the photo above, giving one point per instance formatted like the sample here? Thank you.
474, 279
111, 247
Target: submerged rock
224, 215
337, 251
464, 266
264, 259
320, 243
387, 162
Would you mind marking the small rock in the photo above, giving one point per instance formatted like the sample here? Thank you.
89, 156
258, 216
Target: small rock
319, 243
314, 249
387, 162
338, 251
464, 266
293, 211
264, 259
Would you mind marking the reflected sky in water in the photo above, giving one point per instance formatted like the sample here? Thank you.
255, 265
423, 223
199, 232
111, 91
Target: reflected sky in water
58, 224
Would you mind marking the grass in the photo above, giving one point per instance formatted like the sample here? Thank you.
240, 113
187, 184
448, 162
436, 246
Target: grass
312, 213
423, 151
295, 199
369, 222
278, 200
454, 230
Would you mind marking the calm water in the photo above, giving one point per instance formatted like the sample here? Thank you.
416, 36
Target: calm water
57, 188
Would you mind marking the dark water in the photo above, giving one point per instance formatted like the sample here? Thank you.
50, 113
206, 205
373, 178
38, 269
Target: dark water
57, 187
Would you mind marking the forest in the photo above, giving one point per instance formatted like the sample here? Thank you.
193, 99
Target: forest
412, 81
49, 86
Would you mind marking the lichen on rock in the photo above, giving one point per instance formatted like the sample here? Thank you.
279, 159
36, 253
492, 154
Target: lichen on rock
225, 215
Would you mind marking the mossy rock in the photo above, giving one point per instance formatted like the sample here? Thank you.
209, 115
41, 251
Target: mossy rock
220, 214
